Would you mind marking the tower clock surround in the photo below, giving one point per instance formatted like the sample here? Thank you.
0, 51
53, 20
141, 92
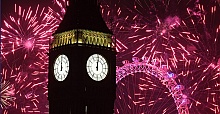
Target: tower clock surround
79, 90
61, 67
86, 85
97, 67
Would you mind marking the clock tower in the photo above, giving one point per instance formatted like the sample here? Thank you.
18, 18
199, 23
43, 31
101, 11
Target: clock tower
82, 63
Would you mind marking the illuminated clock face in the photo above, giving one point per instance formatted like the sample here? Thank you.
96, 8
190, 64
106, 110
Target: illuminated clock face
97, 67
61, 67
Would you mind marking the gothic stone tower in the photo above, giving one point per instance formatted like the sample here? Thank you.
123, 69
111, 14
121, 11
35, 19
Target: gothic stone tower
82, 63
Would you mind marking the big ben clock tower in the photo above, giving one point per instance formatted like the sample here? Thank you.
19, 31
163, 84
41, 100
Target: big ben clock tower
82, 63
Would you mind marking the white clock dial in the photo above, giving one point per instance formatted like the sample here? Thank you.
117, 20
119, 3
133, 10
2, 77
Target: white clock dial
97, 67
61, 67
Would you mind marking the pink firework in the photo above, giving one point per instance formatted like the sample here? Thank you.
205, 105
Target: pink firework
202, 72
7, 91
26, 33
154, 87
25, 42
23, 92
58, 10
184, 36
114, 24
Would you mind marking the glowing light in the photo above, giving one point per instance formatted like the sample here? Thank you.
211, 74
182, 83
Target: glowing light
24, 46
182, 37
171, 75
158, 72
28, 44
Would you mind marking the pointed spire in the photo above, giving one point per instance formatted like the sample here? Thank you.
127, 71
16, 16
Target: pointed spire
83, 14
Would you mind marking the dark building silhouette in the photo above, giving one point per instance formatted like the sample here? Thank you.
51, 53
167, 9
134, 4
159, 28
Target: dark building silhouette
82, 63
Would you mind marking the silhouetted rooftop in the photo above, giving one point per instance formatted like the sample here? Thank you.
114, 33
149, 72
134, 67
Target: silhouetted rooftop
83, 14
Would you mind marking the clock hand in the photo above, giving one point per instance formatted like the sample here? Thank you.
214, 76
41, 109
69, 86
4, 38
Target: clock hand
97, 67
61, 63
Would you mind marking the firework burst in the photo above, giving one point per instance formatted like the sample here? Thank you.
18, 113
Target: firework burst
25, 42
143, 86
201, 76
24, 34
183, 35
7, 92
115, 24
27, 94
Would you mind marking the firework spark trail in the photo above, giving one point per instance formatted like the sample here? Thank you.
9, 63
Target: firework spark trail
203, 73
25, 43
144, 37
144, 29
26, 33
155, 70
24, 94
139, 34
59, 12
143, 95
7, 91
114, 24
185, 37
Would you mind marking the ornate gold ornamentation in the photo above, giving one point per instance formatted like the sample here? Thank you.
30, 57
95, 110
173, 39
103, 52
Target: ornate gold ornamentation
81, 36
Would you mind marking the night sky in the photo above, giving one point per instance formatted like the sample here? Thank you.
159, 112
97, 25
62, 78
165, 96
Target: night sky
181, 34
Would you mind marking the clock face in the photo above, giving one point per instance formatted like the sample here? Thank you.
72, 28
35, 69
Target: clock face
97, 67
61, 67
